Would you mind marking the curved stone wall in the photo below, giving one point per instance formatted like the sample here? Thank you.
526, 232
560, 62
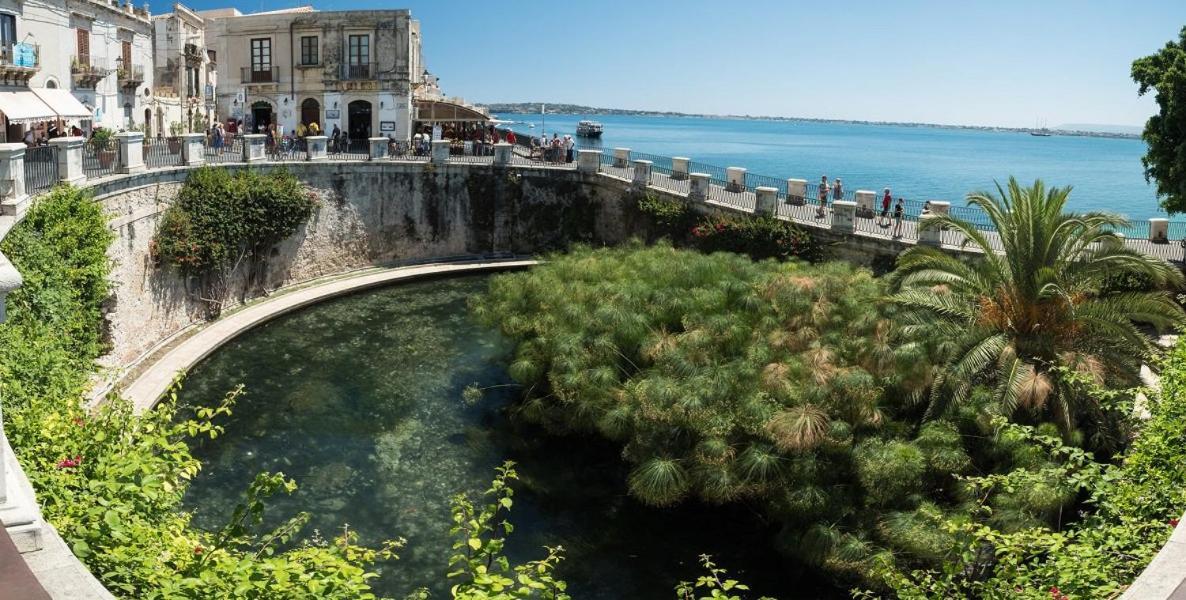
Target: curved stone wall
368, 214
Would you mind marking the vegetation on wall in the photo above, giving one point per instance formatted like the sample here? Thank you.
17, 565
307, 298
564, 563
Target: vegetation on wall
223, 220
110, 481
757, 237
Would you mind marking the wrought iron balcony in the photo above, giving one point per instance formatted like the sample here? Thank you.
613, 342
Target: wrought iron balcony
18, 62
85, 73
356, 72
130, 76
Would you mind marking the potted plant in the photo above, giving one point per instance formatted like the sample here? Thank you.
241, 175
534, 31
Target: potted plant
174, 141
103, 142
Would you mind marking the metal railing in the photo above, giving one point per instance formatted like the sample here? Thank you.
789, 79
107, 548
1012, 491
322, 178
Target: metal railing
162, 152
250, 75
41, 172
100, 159
41, 168
228, 150
356, 71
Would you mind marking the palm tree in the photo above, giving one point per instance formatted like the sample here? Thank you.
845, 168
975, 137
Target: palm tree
1017, 318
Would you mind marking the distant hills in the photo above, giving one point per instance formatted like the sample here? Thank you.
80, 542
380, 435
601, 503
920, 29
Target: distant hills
533, 108
1122, 129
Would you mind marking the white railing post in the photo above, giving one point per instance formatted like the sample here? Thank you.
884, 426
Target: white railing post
621, 157
193, 149
253, 147
377, 148
931, 236
735, 179
844, 216
19, 514
698, 187
440, 152
679, 167
69, 159
940, 207
589, 161
642, 173
797, 191
316, 147
865, 200
766, 203
131, 151
502, 154
1159, 230
13, 199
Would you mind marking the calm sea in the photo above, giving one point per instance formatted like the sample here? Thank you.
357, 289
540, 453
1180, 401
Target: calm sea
918, 163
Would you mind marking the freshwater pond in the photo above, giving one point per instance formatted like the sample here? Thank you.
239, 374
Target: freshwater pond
359, 399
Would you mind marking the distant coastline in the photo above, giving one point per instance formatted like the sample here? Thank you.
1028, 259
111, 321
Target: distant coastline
532, 108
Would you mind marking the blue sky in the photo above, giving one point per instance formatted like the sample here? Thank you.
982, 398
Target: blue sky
1005, 62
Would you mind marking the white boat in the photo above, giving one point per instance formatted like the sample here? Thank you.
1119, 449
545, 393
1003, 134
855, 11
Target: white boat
589, 129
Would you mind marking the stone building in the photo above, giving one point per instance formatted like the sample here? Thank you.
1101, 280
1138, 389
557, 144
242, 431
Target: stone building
353, 69
184, 73
98, 52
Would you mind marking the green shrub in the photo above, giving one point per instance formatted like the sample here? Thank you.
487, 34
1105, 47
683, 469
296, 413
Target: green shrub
110, 481
220, 218
757, 237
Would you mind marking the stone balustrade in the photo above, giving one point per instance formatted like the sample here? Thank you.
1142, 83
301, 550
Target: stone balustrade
193, 149
589, 161
502, 154
735, 179
642, 173
766, 201
131, 152
679, 167
797, 191
70, 159
844, 213
699, 186
621, 157
440, 151
254, 149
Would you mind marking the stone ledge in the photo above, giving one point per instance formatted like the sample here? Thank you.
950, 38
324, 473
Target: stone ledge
153, 382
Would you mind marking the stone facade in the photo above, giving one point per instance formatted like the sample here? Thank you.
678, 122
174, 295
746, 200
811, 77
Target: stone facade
183, 69
353, 69
99, 50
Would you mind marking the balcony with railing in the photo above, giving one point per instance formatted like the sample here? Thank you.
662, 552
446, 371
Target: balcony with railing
130, 76
356, 72
253, 75
85, 73
18, 62
193, 54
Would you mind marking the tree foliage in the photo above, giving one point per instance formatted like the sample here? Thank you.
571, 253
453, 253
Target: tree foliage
220, 218
110, 481
1014, 319
1165, 160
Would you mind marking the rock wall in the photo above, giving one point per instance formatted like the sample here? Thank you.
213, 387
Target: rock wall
368, 214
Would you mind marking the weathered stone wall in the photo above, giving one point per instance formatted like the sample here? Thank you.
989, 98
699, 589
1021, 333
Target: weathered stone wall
368, 214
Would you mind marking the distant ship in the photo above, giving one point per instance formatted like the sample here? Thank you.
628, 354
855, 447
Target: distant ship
1040, 131
591, 129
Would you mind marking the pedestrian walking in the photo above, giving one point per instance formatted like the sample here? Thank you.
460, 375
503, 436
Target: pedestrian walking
884, 219
899, 213
822, 211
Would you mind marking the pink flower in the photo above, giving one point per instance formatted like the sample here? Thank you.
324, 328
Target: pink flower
1174, 523
198, 550
70, 463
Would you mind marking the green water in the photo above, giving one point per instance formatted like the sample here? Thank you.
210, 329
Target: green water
359, 400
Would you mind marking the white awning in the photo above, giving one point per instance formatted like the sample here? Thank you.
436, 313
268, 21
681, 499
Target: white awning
23, 108
63, 103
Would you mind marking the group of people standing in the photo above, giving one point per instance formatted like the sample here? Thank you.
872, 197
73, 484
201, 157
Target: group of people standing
556, 150
836, 190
